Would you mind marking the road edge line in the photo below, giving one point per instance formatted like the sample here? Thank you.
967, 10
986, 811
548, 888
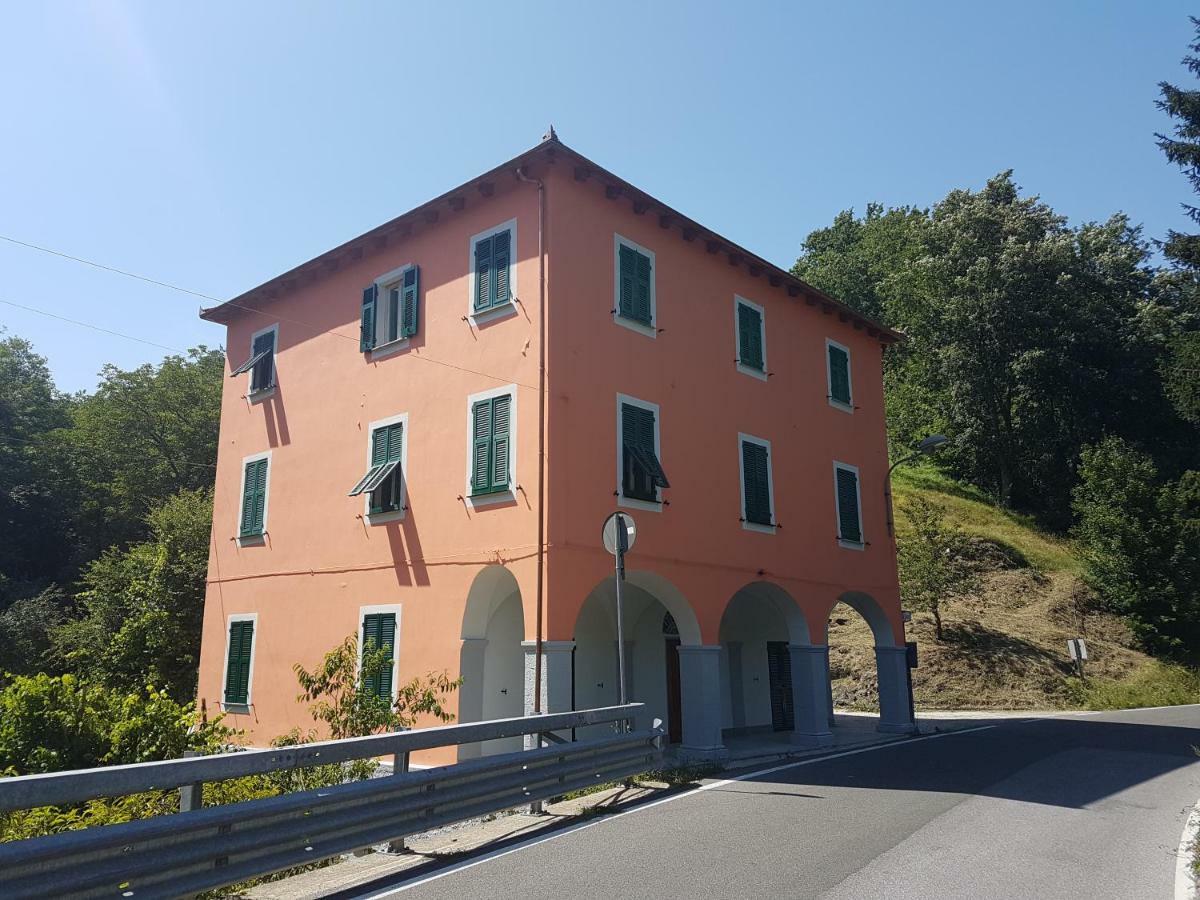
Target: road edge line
581, 826
1185, 882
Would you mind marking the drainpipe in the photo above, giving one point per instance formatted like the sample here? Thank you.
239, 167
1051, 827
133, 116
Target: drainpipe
541, 501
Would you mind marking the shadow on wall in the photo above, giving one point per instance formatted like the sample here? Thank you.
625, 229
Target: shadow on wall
275, 419
408, 558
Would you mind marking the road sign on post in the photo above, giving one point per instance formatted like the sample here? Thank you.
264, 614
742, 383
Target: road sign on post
1077, 647
618, 535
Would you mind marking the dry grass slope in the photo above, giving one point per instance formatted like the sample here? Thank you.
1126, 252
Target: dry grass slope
1005, 648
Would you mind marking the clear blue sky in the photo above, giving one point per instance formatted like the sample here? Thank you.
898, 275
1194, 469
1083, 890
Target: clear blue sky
216, 144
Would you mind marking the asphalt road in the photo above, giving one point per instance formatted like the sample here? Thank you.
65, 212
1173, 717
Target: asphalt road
1081, 807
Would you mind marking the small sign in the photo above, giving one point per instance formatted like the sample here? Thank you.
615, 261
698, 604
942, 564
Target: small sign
1077, 647
609, 532
911, 652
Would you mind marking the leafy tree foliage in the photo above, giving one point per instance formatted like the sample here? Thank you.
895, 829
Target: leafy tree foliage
336, 695
1141, 545
27, 632
933, 566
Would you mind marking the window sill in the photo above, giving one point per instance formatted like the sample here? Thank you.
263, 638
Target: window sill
851, 545
642, 328
492, 314
382, 518
379, 351
491, 498
635, 503
238, 709
759, 527
844, 407
260, 395
751, 371
252, 540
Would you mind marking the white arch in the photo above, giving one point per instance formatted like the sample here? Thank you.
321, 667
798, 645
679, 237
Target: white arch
491, 587
867, 607
778, 600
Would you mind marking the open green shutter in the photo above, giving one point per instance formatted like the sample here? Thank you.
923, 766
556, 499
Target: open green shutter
628, 275
501, 407
262, 376
411, 301
366, 330
839, 375
485, 290
481, 458
501, 256
641, 293
849, 519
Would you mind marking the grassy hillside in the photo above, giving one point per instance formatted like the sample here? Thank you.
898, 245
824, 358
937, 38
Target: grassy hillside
1007, 647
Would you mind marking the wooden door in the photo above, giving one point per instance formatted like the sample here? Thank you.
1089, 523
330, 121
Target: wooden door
674, 717
779, 674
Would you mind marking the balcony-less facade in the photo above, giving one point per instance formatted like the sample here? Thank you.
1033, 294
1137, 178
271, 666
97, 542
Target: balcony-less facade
401, 410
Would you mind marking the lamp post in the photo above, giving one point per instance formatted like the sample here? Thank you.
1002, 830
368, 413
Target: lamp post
928, 445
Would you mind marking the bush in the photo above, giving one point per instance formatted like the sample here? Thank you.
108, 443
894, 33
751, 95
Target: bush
1155, 684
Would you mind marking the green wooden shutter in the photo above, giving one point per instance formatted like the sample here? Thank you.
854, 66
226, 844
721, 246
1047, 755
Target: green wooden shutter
237, 671
641, 292
750, 336
755, 483
379, 633
501, 256
839, 375
254, 498
481, 459
366, 330
411, 301
628, 275
387, 444
485, 289
501, 445
849, 519
263, 375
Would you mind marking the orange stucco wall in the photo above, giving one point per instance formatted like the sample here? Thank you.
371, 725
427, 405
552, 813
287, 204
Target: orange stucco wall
321, 561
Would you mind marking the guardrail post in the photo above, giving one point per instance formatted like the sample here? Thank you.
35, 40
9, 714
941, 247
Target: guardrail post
538, 807
399, 767
191, 796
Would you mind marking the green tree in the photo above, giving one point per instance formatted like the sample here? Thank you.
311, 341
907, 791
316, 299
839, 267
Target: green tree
142, 607
27, 632
933, 565
336, 695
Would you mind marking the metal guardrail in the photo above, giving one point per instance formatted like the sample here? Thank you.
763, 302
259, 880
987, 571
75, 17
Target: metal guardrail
199, 849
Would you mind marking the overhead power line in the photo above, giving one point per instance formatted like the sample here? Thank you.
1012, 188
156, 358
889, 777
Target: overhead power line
128, 337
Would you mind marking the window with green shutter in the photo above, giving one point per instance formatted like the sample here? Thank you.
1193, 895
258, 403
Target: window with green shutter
379, 633
750, 336
390, 309
756, 483
493, 258
254, 498
491, 444
848, 513
839, 374
237, 667
261, 363
366, 328
641, 472
635, 289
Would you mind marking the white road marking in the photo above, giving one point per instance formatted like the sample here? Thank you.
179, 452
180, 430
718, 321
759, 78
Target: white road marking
1185, 882
570, 829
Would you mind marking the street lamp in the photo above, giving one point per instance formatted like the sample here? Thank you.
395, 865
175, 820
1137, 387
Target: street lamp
928, 445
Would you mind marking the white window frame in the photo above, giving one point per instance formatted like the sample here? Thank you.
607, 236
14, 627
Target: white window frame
739, 301
253, 397
363, 612
395, 278
837, 508
256, 539
837, 404
229, 620
394, 515
755, 526
510, 495
634, 502
651, 330
502, 310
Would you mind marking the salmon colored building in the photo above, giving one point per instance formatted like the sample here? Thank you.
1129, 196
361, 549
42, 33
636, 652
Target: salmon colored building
425, 428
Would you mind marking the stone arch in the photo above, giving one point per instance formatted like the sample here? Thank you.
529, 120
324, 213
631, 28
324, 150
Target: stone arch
895, 711
492, 658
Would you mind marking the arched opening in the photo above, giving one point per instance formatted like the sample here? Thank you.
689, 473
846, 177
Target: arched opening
758, 628
492, 660
867, 666
657, 621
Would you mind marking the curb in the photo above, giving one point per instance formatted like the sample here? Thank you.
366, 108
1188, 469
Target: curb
1185, 881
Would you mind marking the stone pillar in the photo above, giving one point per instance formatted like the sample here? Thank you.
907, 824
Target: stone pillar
700, 702
828, 685
737, 691
893, 690
470, 695
810, 695
557, 685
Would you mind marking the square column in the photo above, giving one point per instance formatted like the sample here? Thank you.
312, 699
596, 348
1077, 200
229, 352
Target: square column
894, 715
810, 695
700, 702
557, 683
